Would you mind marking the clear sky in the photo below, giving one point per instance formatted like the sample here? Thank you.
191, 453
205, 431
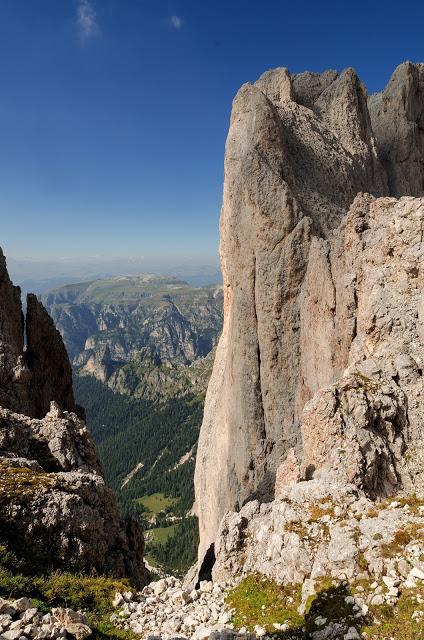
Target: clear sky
113, 113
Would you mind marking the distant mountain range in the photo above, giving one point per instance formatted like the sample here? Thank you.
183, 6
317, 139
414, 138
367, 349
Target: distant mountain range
39, 276
144, 336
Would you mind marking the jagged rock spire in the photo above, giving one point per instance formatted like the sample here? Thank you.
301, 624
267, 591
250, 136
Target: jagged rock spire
47, 360
397, 116
31, 376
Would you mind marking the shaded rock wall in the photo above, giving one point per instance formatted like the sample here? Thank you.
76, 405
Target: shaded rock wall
397, 116
47, 360
31, 377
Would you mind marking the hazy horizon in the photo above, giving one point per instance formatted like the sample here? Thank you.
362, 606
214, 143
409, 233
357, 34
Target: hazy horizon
37, 275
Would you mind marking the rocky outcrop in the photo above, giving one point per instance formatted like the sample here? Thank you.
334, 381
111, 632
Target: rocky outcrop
56, 510
34, 365
315, 282
323, 529
47, 360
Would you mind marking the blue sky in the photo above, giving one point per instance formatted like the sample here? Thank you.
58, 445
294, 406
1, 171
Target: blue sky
114, 113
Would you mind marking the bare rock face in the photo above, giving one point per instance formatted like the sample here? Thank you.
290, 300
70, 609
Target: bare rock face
313, 284
357, 428
14, 373
47, 360
31, 377
56, 511
369, 319
397, 116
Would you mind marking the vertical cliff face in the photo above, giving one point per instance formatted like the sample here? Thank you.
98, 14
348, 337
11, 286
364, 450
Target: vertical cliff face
369, 342
47, 360
299, 149
14, 374
35, 368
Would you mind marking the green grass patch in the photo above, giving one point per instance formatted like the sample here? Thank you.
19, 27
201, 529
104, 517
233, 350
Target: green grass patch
162, 534
82, 592
91, 594
20, 483
156, 502
257, 600
260, 601
396, 622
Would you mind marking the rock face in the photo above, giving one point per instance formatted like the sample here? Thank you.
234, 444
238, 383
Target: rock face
316, 280
30, 378
367, 317
56, 511
397, 116
47, 360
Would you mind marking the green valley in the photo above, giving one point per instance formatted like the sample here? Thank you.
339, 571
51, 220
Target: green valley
142, 349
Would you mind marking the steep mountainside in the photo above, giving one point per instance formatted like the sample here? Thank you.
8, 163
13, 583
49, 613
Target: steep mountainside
56, 511
314, 284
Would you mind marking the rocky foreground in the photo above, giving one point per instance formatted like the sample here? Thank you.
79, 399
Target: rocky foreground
20, 620
164, 608
303, 566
